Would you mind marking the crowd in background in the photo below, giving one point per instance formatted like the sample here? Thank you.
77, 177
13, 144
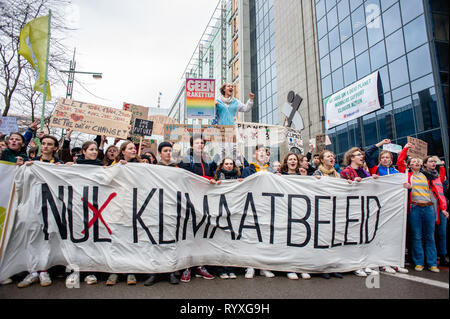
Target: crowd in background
427, 186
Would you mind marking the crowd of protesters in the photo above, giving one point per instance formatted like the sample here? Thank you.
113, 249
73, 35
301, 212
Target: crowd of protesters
427, 185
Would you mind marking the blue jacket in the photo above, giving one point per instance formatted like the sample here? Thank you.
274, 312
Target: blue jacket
225, 114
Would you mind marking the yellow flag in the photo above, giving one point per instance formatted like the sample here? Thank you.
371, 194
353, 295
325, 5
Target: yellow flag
33, 47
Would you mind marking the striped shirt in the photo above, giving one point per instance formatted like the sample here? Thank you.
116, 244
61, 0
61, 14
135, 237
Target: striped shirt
420, 189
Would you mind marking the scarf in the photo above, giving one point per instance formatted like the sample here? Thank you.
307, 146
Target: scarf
259, 168
229, 174
225, 100
331, 172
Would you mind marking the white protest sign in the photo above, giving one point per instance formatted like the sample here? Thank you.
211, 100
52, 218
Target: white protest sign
352, 102
394, 148
138, 218
8, 124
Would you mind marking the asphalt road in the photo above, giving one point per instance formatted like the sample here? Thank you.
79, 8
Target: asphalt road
280, 287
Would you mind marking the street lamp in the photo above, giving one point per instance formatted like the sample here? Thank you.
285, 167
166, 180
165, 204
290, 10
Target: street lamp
71, 72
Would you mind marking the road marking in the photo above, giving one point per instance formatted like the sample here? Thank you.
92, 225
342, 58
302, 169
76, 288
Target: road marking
426, 281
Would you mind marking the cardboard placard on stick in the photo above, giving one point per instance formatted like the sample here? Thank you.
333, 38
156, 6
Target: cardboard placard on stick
142, 127
138, 112
420, 148
320, 142
91, 118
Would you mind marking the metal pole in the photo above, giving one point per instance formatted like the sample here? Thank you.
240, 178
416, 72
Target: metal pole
46, 71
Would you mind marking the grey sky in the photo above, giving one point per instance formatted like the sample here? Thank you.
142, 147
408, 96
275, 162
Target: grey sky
141, 46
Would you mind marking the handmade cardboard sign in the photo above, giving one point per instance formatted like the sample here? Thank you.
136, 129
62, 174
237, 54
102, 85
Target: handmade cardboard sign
142, 127
91, 118
420, 148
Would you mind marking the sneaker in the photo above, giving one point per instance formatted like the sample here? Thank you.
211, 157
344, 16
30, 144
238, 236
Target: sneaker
388, 270
173, 280
325, 276
73, 280
250, 273
360, 273
90, 280
6, 282
418, 268
371, 271
112, 279
131, 280
401, 270
28, 280
267, 273
292, 275
232, 275
224, 276
186, 276
202, 272
305, 275
44, 278
433, 269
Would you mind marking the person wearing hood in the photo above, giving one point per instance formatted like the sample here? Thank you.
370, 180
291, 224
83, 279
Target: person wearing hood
385, 160
227, 106
14, 152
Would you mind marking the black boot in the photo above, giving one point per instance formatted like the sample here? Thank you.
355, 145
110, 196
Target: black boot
150, 280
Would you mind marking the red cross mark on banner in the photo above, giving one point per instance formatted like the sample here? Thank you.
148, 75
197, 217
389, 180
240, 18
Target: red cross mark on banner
98, 213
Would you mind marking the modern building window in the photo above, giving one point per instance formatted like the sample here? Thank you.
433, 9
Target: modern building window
397, 72
343, 9
419, 62
360, 41
362, 65
415, 33
349, 73
411, 9
394, 45
391, 19
345, 29
347, 51
358, 19
377, 56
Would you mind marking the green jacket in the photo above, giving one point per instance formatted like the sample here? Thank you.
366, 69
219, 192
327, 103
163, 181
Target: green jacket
11, 156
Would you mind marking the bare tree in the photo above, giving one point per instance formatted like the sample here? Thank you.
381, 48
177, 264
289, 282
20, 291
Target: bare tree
16, 80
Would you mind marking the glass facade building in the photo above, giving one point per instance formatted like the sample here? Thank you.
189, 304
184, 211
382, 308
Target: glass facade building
263, 68
398, 38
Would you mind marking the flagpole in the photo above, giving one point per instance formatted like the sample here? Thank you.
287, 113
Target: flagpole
46, 72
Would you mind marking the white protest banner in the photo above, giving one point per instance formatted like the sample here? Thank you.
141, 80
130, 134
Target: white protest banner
8, 124
352, 102
137, 218
252, 134
7, 171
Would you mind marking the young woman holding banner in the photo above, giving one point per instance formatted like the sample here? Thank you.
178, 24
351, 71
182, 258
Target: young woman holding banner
354, 159
291, 166
127, 154
327, 159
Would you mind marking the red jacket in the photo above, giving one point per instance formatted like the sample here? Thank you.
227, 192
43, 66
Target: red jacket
435, 185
